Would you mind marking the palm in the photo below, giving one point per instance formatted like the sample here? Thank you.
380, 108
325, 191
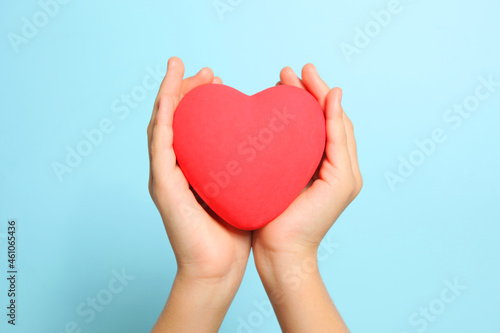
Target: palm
208, 241
294, 226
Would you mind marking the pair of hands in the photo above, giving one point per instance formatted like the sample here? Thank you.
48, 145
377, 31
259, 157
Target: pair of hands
212, 252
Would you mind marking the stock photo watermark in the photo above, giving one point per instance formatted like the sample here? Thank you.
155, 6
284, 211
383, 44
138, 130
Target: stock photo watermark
90, 308
430, 312
222, 7
30, 27
294, 277
365, 35
12, 270
248, 150
454, 118
121, 108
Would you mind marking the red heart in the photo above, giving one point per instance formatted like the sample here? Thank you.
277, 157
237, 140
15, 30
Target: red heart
248, 157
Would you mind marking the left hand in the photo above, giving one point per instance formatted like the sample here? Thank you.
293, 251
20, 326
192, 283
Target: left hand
298, 231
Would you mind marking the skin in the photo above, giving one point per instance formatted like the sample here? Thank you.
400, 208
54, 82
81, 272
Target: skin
209, 272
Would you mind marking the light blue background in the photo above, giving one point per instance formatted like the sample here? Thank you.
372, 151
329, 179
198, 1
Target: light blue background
393, 250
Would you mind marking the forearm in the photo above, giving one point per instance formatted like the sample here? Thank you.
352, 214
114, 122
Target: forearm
195, 305
298, 295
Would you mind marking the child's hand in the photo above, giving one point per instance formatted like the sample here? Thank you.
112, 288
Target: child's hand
285, 250
211, 255
300, 229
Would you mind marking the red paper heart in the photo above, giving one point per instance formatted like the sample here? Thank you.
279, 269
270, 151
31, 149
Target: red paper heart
248, 157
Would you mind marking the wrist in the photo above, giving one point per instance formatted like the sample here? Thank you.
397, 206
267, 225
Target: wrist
228, 282
204, 288
285, 273
298, 294
195, 305
215, 267
268, 259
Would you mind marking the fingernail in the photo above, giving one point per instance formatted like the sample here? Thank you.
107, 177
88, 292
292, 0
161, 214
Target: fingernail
315, 71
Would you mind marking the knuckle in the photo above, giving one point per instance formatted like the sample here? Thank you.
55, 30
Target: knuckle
164, 99
351, 184
158, 190
150, 188
349, 123
358, 185
154, 151
160, 102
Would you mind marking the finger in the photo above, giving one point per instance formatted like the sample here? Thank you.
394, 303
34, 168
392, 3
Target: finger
353, 153
315, 84
217, 80
172, 82
204, 76
169, 89
170, 86
337, 152
288, 77
161, 149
